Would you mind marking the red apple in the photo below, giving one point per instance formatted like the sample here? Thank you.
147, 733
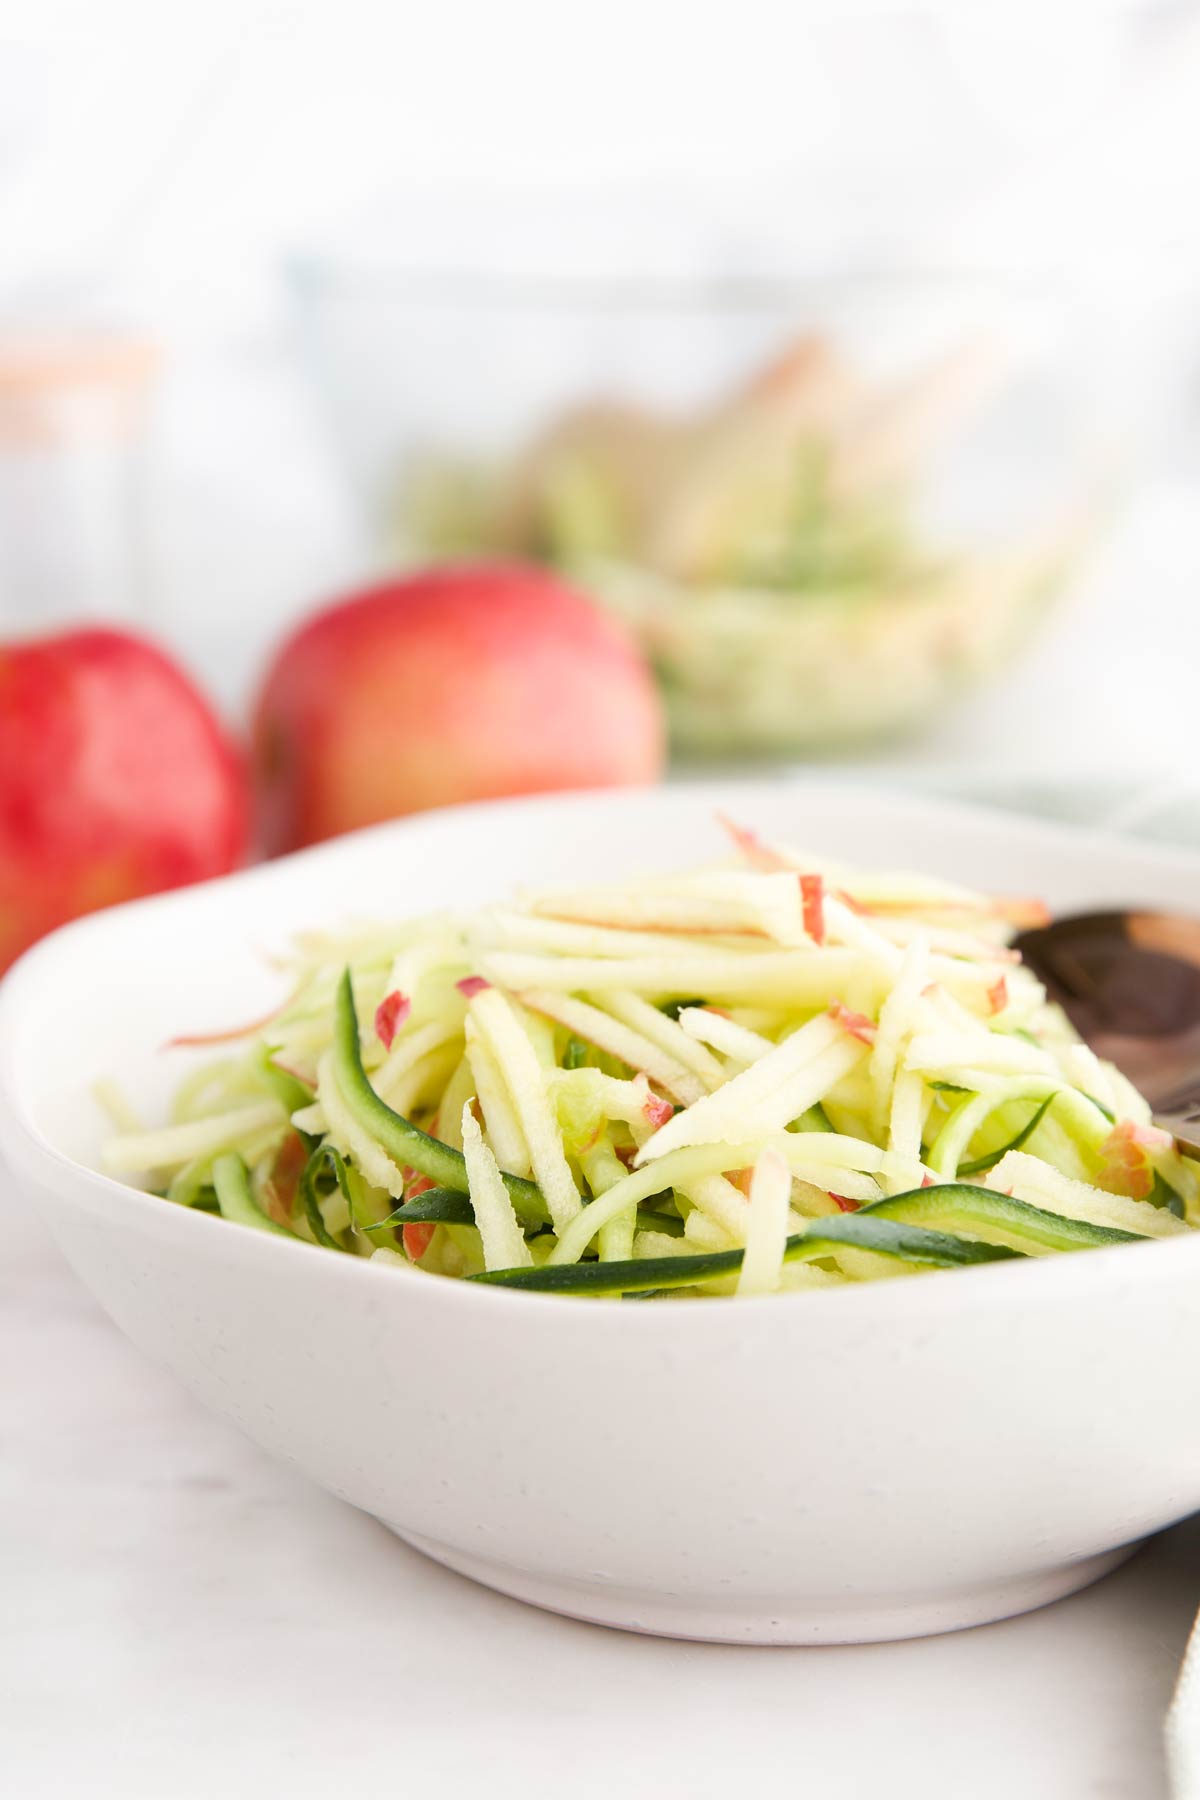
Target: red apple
460, 684
116, 780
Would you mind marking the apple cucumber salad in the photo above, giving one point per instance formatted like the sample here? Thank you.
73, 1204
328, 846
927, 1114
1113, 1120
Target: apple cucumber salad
769, 1074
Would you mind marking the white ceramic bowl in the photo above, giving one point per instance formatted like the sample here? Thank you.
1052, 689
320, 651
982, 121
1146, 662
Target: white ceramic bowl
822, 1467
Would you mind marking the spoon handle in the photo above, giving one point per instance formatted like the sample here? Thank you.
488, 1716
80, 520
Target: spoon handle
1184, 1126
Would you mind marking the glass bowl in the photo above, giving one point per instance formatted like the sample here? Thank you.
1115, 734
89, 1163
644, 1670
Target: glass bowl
826, 506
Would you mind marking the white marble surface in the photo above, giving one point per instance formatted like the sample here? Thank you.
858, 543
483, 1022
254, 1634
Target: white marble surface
181, 1618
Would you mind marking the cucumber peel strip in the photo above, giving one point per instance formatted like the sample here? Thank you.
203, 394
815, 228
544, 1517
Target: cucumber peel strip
1163, 1194
649, 1220
959, 1206
851, 1231
439, 1205
403, 1141
1085, 1123
905, 1226
231, 1181
324, 1153
445, 1206
982, 1163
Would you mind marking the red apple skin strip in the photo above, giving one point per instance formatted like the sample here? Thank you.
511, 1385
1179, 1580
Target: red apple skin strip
856, 1023
390, 1014
1125, 1160
750, 845
199, 1039
417, 1238
812, 901
657, 1111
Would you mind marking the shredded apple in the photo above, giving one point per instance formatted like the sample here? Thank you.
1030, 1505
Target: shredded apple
770, 1073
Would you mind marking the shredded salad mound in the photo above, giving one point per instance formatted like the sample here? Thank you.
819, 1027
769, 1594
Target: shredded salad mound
767, 1074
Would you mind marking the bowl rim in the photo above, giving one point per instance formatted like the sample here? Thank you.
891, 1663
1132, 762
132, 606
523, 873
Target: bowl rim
31, 1153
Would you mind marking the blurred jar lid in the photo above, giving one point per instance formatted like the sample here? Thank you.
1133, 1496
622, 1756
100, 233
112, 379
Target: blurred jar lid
43, 362
56, 386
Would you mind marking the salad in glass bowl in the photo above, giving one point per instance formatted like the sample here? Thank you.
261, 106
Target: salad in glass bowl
826, 506
769, 551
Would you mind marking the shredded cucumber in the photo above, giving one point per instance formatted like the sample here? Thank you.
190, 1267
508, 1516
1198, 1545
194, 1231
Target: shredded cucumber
325, 1156
880, 1237
441, 1205
996, 1218
232, 1183
748, 1079
403, 1141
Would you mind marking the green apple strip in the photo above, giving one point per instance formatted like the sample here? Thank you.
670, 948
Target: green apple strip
175, 1145
504, 1245
806, 978
618, 1039
525, 1080
767, 1230
503, 1126
769, 1094
1035, 1181
732, 1040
